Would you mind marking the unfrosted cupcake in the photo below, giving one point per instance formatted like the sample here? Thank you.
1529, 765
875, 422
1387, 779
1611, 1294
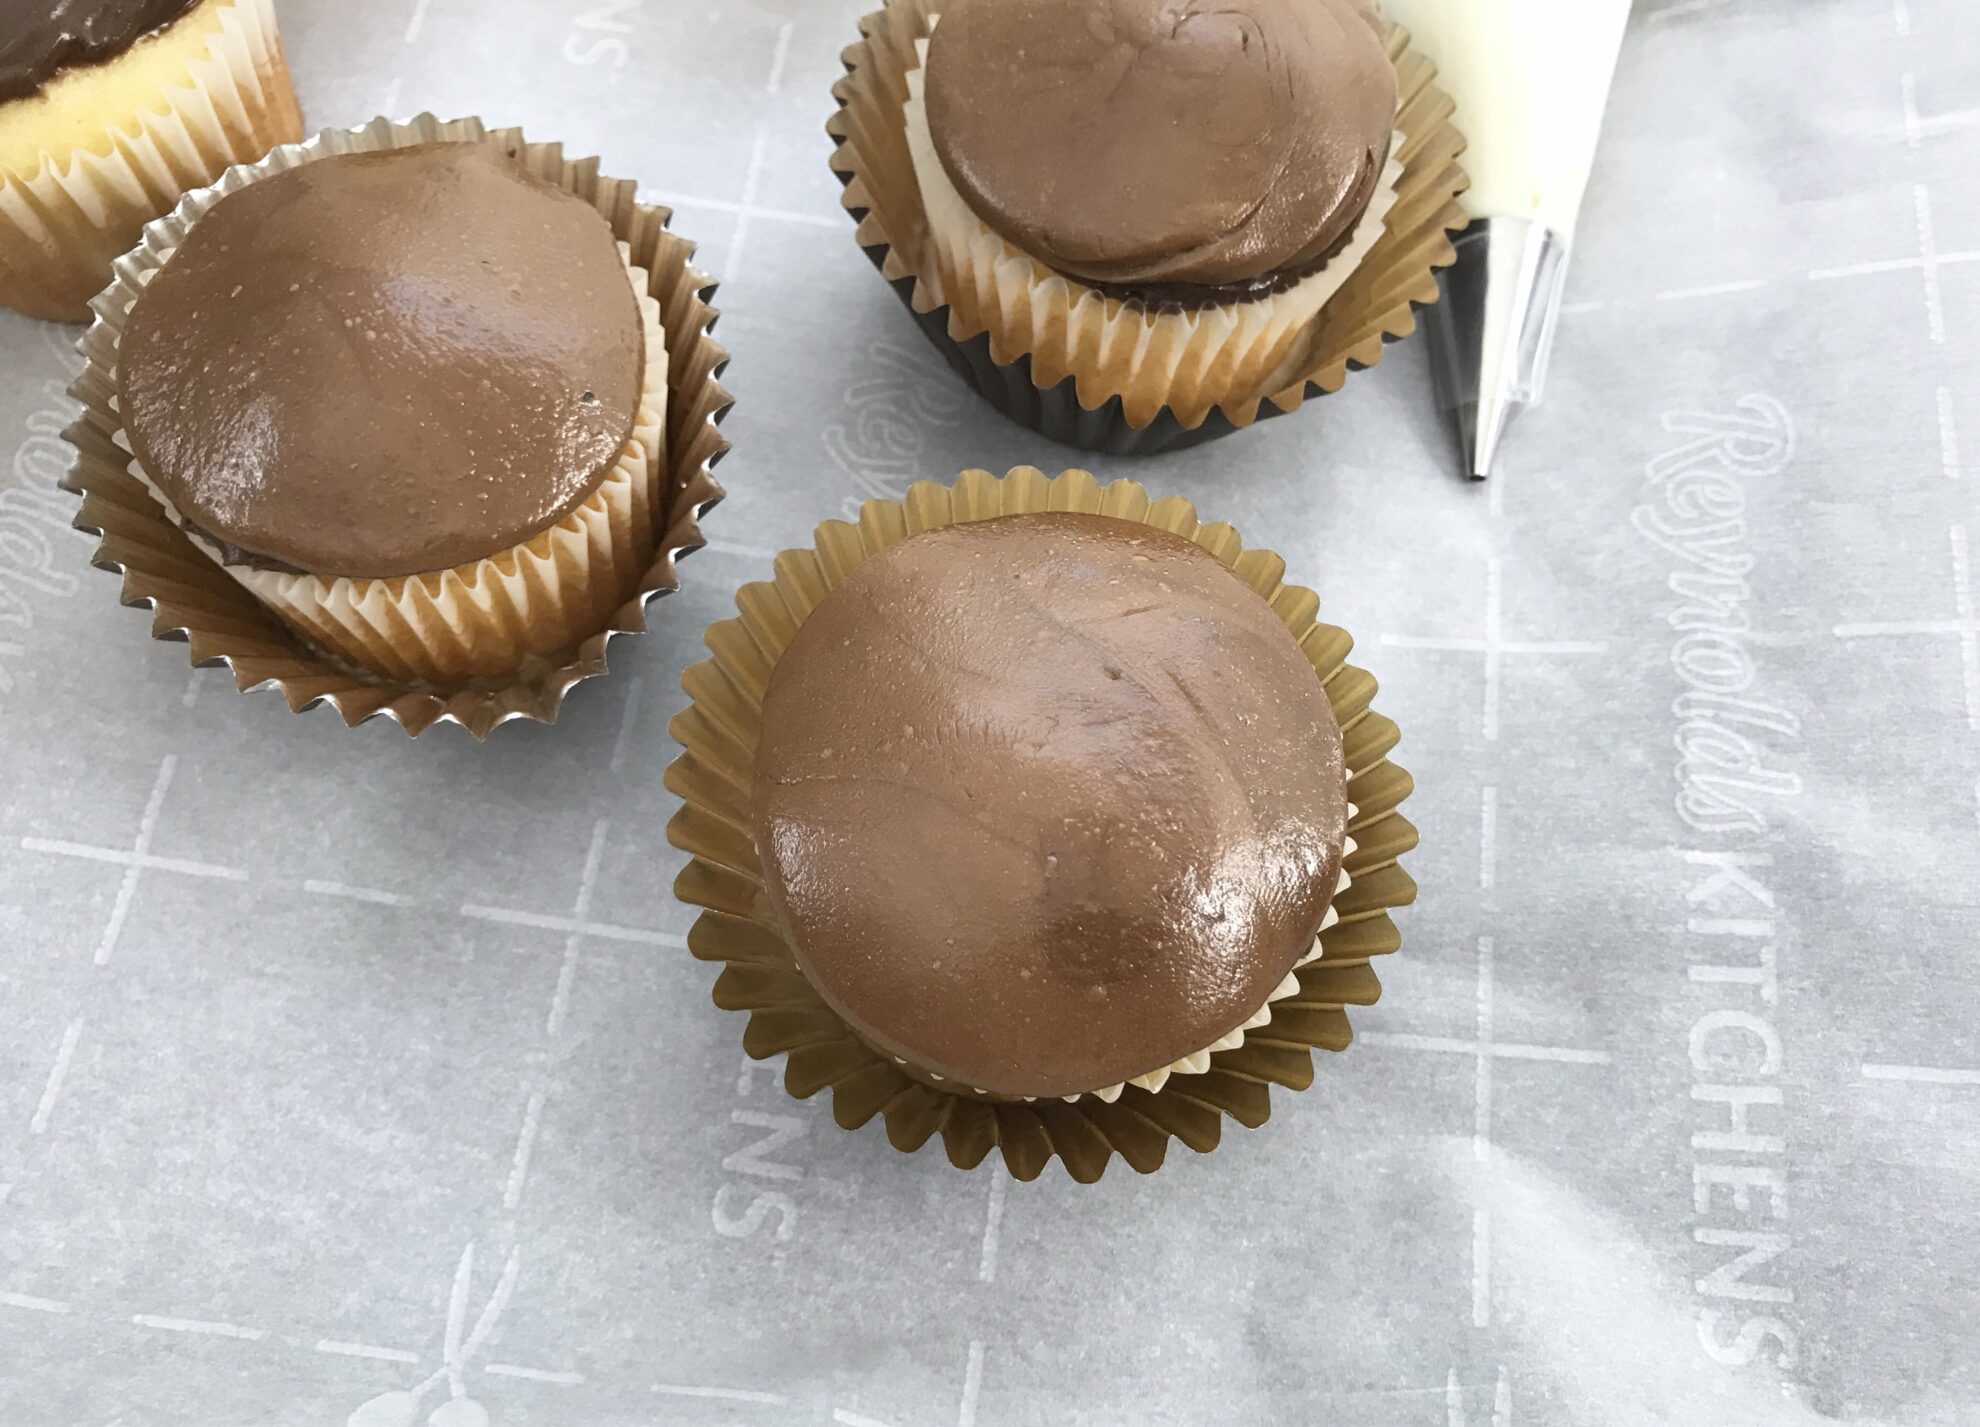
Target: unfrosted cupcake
1047, 805
1155, 198
109, 111
414, 401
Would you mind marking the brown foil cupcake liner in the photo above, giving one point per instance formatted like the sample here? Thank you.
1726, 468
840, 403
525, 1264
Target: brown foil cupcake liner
787, 1017
1376, 305
62, 227
195, 600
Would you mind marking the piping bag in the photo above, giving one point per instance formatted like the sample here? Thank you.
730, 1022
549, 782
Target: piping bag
1530, 79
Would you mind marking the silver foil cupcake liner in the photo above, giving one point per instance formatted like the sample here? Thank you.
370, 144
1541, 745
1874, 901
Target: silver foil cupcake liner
195, 601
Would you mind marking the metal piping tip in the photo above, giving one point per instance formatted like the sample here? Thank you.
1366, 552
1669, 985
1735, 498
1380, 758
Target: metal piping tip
1493, 329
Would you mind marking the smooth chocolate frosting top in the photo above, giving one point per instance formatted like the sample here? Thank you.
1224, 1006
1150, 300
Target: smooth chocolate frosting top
385, 364
40, 37
1133, 142
1047, 802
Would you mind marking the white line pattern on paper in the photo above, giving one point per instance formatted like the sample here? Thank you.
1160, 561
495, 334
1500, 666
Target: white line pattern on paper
559, 1379
600, 931
199, 1327
743, 552
836, 222
1921, 1074
135, 861
525, 1146
127, 890
628, 725
366, 1350
1481, 1129
560, 1003
972, 1387
1481, 1268
1715, 289
30, 1304
746, 211
1964, 626
1494, 645
356, 894
1928, 264
1501, 1402
1948, 435
723, 1394
1501, 1050
1481, 1143
993, 1227
779, 58
58, 1073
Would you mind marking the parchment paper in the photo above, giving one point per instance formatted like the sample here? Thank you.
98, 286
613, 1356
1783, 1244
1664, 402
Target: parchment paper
323, 1050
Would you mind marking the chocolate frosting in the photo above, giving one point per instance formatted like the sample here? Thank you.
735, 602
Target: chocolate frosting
1183, 142
1047, 802
40, 37
385, 364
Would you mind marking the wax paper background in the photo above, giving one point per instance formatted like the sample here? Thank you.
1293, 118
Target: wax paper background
311, 1039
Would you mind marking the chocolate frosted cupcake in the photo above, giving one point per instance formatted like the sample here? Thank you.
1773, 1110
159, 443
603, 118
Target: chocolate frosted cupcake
109, 110
1049, 805
1155, 198
414, 401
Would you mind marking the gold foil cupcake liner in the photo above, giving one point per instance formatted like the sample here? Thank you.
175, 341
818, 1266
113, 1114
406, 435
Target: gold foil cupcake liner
196, 600
62, 227
718, 732
1375, 305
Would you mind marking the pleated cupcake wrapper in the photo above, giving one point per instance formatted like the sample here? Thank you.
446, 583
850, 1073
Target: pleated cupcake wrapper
61, 230
1188, 362
196, 600
760, 976
1375, 305
506, 614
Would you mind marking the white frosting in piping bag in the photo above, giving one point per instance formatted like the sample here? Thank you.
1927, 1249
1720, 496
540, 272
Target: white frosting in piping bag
1531, 79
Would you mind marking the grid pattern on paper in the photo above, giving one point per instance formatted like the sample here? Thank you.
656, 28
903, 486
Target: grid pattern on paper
348, 1078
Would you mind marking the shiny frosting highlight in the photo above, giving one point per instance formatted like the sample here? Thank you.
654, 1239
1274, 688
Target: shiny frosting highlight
39, 38
1047, 802
1189, 143
385, 364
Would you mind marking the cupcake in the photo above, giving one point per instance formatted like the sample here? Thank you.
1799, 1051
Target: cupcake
413, 401
1086, 260
1049, 805
1039, 816
1154, 199
109, 110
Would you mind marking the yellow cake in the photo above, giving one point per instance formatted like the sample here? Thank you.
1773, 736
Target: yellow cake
93, 146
